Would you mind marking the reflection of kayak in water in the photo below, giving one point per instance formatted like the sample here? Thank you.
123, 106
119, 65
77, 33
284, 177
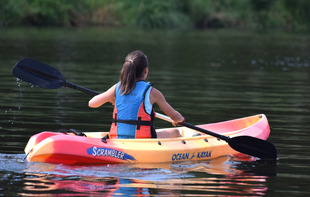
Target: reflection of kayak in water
218, 176
80, 185
54, 147
225, 165
218, 166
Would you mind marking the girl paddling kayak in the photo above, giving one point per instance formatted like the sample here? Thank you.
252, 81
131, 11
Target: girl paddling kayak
133, 99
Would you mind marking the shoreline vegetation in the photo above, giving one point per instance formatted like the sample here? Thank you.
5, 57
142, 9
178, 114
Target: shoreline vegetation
257, 15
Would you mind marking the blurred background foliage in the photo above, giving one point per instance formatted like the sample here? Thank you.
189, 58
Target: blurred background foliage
290, 15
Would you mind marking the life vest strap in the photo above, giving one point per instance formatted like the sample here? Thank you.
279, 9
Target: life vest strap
138, 122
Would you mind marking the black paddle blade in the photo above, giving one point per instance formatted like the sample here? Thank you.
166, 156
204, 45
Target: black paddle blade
253, 146
38, 74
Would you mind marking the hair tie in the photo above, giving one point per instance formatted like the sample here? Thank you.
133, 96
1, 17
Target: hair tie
131, 61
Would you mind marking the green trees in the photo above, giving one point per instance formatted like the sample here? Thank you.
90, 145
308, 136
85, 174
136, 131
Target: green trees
43, 12
198, 14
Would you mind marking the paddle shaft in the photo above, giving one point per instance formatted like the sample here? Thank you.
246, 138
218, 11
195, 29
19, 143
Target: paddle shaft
166, 118
76, 87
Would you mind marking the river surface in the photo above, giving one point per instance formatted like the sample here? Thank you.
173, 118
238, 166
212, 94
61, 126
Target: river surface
209, 76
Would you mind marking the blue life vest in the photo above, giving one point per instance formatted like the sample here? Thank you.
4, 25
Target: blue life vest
133, 113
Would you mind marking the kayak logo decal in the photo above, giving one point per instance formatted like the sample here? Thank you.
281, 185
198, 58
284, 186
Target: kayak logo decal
108, 152
190, 156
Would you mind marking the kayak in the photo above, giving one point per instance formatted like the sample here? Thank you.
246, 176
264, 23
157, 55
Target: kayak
68, 148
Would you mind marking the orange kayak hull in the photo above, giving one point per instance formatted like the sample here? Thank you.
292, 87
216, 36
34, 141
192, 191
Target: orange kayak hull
55, 147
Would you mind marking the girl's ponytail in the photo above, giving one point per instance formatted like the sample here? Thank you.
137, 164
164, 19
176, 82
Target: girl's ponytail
132, 70
128, 77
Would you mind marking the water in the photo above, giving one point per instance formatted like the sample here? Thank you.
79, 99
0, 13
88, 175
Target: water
208, 76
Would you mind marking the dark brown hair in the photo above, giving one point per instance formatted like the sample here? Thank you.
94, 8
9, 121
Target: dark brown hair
135, 63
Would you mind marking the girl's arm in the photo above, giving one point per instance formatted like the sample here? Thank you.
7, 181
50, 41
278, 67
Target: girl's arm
100, 99
157, 97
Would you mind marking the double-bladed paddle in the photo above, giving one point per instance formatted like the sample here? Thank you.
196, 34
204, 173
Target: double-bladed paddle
45, 76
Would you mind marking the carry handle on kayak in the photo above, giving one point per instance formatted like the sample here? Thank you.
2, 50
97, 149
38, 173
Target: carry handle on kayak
45, 76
